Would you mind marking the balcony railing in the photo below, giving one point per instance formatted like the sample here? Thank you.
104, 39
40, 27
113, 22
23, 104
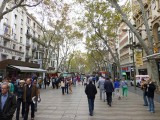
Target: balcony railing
40, 49
34, 37
28, 45
34, 48
28, 34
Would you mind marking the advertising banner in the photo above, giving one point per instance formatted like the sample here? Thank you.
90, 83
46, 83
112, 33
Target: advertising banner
138, 58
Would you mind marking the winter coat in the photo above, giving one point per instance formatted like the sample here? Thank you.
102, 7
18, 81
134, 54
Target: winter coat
91, 91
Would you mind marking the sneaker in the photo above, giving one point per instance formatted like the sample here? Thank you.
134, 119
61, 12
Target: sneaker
145, 105
152, 111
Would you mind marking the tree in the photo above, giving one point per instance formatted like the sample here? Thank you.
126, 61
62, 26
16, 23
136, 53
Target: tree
15, 4
59, 34
102, 24
148, 47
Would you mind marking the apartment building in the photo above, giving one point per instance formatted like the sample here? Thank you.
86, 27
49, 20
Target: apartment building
21, 37
12, 35
152, 9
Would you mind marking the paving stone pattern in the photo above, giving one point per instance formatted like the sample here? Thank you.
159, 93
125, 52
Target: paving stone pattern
55, 106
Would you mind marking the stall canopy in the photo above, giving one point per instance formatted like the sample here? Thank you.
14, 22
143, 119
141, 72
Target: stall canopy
27, 69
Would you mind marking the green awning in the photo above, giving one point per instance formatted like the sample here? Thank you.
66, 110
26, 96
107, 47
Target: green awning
123, 73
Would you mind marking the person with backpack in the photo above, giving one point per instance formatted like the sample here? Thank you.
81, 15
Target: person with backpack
150, 94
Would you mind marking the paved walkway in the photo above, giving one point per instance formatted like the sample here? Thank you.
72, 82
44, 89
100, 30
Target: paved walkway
55, 106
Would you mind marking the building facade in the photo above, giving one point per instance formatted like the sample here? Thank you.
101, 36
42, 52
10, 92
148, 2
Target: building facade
152, 9
21, 38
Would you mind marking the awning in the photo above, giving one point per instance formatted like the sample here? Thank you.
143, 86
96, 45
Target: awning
27, 69
123, 73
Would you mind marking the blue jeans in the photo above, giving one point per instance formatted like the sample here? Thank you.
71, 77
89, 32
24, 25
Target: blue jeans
91, 106
145, 98
151, 104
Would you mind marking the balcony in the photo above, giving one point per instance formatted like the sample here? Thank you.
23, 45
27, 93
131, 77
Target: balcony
28, 45
40, 49
28, 34
6, 37
28, 56
34, 48
34, 38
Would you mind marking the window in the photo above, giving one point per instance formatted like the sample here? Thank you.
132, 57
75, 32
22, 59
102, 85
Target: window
5, 43
19, 59
158, 33
21, 39
36, 55
147, 13
34, 24
20, 48
15, 26
15, 16
6, 20
153, 4
14, 36
13, 57
14, 46
34, 33
21, 30
158, 4
21, 21
28, 20
22, 12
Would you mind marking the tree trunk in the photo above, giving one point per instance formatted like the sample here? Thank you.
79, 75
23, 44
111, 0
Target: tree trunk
153, 68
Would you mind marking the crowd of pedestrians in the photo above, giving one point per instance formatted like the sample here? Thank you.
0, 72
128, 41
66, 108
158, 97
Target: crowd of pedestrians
109, 88
21, 95
18, 96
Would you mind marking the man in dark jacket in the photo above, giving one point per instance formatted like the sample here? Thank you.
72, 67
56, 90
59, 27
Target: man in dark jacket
91, 91
150, 93
7, 103
108, 86
30, 94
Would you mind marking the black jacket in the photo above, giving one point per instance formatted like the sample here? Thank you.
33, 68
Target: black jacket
108, 86
9, 107
91, 91
150, 90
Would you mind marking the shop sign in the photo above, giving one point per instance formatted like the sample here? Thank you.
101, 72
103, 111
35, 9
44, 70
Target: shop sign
7, 51
139, 59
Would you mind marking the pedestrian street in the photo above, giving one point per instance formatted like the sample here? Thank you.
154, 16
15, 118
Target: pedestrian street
55, 106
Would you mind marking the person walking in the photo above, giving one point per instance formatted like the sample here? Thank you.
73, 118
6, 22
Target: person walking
117, 88
124, 86
100, 83
7, 103
30, 91
108, 86
66, 85
53, 82
144, 88
62, 85
91, 91
70, 85
19, 93
150, 93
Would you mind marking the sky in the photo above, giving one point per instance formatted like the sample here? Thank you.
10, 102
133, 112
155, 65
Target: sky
74, 14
